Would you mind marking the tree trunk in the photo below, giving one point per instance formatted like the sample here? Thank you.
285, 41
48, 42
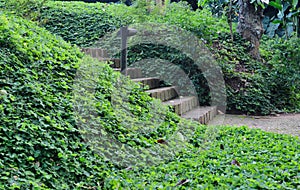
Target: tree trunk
250, 25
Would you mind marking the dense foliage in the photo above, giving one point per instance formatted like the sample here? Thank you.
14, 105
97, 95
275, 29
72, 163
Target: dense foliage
248, 90
29, 9
43, 147
240, 159
283, 61
40, 146
279, 17
78, 23
247, 80
41, 131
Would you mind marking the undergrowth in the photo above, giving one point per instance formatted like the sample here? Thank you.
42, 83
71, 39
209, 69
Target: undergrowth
57, 108
252, 87
49, 129
40, 145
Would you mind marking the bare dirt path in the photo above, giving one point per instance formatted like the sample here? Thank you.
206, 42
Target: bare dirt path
283, 123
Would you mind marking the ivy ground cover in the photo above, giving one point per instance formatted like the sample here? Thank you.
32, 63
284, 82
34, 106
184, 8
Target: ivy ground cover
253, 87
41, 146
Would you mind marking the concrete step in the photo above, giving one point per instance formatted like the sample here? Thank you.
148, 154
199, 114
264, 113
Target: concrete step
101, 55
95, 52
114, 62
164, 93
201, 114
183, 104
133, 73
152, 82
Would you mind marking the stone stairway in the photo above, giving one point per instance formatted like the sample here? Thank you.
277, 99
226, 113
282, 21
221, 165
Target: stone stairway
187, 107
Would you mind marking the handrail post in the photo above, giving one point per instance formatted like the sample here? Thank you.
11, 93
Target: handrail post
125, 32
123, 58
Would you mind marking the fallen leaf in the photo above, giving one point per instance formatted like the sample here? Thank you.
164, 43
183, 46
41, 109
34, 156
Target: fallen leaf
162, 141
182, 182
235, 162
128, 168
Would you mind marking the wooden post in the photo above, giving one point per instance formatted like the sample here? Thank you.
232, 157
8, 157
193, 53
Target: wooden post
125, 32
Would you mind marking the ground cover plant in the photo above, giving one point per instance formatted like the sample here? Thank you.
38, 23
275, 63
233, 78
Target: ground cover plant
40, 137
240, 158
42, 144
40, 147
283, 57
43, 147
78, 23
250, 89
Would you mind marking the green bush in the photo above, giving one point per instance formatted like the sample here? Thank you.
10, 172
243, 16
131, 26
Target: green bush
78, 23
247, 87
201, 23
29, 9
283, 59
83, 24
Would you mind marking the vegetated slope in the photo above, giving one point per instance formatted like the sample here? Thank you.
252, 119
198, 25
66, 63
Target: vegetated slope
78, 22
42, 145
45, 136
252, 87
39, 144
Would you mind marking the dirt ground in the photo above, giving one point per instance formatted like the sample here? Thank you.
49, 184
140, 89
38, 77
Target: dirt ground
282, 123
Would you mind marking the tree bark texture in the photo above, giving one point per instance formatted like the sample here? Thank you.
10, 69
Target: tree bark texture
250, 25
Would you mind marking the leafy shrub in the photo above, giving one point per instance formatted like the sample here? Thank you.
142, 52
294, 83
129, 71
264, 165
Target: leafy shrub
83, 24
29, 9
282, 18
78, 23
201, 23
247, 88
260, 87
283, 59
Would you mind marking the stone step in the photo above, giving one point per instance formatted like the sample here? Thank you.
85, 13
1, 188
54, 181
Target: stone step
133, 73
182, 105
201, 114
152, 82
95, 52
164, 93
101, 55
114, 62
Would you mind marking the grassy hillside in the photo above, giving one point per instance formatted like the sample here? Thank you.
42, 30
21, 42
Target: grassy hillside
55, 104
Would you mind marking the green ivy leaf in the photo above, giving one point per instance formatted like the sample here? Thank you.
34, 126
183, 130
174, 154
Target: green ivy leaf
276, 5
